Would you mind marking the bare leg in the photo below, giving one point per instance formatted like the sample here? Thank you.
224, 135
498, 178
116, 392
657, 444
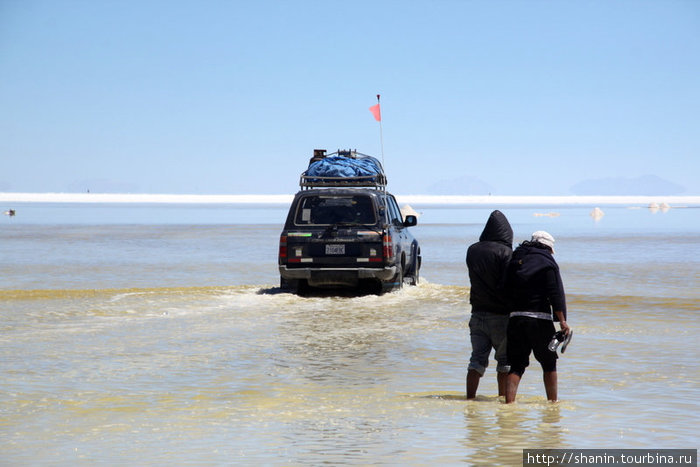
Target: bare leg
502, 378
512, 382
473, 378
550, 384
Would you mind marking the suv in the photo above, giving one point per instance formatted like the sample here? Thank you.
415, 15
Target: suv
345, 230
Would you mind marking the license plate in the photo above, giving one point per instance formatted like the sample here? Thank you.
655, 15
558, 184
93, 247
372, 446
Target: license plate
335, 249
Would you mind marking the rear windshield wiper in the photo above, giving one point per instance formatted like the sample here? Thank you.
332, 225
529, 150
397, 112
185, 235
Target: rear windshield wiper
371, 227
336, 225
355, 224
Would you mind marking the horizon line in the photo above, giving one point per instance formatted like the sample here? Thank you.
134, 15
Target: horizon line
285, 199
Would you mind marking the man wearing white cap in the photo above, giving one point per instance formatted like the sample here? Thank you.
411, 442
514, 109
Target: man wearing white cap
535, 284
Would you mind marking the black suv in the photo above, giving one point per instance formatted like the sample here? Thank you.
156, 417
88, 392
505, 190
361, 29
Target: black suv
345, 230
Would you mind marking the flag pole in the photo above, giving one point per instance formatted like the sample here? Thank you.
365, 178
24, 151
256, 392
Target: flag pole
378, 117
381, 133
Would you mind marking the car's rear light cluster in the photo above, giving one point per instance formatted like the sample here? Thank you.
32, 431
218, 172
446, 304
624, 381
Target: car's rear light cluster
283, 249
388, 246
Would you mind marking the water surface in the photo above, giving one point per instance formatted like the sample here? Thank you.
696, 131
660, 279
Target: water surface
158, 335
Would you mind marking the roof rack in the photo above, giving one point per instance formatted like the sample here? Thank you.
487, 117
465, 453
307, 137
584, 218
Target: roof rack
343, 168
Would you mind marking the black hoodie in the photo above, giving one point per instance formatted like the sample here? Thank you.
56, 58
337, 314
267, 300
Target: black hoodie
487, 261
534, 280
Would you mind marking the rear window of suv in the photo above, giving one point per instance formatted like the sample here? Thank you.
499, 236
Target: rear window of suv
336, 209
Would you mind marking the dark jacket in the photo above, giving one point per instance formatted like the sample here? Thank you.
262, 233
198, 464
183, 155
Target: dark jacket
487, 261
534, 282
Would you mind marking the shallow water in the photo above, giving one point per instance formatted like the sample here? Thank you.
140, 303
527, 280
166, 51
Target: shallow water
160, 342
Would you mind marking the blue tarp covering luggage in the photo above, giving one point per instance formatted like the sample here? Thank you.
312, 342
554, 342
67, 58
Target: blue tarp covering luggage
339, 166
343, 169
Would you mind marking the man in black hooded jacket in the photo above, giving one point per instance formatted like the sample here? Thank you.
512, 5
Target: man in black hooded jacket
487, 261
536, 288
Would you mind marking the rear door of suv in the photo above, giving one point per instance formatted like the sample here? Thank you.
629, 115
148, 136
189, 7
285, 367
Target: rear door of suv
333, 230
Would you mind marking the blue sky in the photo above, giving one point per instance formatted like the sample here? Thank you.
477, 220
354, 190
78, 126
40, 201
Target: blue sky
510, 97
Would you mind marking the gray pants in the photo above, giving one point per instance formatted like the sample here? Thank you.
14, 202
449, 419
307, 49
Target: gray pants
488, 331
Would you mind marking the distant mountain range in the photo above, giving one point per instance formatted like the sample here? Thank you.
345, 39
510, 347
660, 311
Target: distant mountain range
645, 185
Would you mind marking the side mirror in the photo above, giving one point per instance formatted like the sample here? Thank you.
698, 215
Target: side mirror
410, 221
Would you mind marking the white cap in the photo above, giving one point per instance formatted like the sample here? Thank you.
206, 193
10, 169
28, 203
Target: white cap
544, 238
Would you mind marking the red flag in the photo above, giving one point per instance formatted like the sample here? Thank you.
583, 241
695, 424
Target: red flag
377, 112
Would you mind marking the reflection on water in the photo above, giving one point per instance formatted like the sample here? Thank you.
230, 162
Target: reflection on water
532, 422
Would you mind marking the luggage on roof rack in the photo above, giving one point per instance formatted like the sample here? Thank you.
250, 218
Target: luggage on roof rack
347, 168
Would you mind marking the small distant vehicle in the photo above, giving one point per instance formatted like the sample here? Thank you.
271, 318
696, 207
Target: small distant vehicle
344, 230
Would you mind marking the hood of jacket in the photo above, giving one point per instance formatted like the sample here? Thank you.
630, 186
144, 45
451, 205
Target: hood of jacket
497, 229
529, 260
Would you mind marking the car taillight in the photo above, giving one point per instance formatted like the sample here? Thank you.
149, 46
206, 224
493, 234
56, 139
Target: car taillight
283, 249
388, 247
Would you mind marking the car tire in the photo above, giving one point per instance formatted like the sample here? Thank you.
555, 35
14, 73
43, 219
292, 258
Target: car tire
398, 280
414, 276
284, 284
295, 286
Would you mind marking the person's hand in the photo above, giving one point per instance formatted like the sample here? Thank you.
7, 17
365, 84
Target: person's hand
562, 322
564, 327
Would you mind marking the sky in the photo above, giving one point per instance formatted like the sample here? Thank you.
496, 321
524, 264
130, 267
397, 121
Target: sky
232, 97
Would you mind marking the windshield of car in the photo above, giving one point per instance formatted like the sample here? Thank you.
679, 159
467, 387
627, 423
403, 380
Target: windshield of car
335, 209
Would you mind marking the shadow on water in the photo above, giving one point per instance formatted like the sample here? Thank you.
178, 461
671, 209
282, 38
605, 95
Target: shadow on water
463, 398
321, 293
522, 401
271, 291
446, 397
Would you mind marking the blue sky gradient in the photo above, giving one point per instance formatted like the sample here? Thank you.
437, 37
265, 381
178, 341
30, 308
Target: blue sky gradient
212, 97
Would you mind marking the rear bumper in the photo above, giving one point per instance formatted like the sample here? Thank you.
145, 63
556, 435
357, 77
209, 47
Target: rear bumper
337, 276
